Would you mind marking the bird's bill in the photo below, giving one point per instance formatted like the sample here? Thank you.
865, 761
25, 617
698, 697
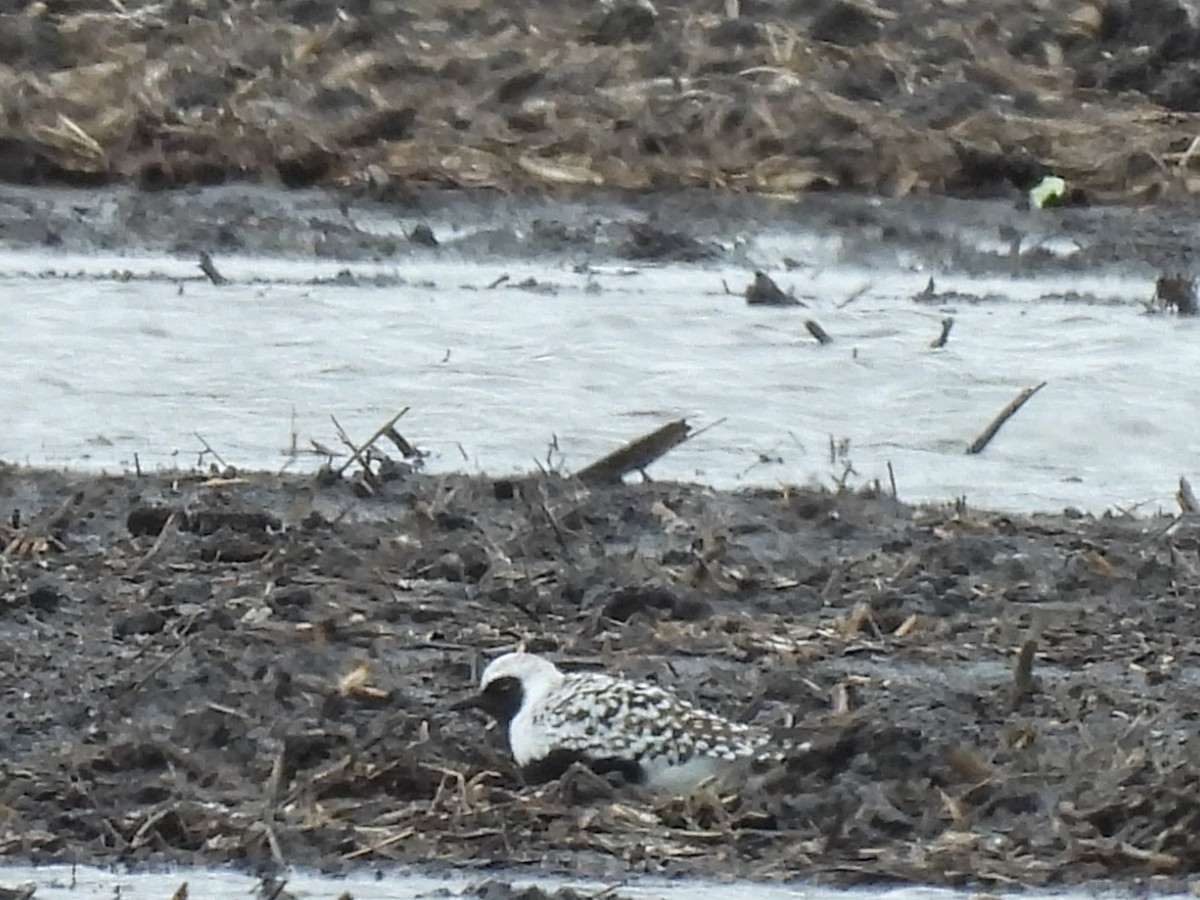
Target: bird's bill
471, 701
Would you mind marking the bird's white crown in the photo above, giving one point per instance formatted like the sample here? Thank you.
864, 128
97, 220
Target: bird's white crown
538, 676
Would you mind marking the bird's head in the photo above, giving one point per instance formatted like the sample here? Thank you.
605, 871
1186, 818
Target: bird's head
510, 681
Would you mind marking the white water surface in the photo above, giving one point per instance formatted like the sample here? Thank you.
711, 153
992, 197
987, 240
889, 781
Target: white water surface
112, 358
61, 882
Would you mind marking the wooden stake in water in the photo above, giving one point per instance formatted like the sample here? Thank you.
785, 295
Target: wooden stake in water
1005, 414
940, 341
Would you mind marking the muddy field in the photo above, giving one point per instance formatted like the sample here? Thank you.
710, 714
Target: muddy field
256, 669
777, 96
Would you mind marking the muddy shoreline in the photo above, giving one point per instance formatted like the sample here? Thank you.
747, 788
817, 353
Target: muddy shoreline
253, 669
702, 228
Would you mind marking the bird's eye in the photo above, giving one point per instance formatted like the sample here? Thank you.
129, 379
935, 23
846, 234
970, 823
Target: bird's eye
502, 697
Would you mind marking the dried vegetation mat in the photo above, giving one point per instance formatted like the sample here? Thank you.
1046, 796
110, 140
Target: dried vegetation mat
777, 96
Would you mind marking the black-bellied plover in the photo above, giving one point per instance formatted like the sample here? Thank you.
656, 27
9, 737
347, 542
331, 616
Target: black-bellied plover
649, 735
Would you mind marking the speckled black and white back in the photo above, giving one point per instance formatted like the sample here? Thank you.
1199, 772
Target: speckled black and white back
669, 744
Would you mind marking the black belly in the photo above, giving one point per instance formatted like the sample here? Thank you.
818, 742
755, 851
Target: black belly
558, 761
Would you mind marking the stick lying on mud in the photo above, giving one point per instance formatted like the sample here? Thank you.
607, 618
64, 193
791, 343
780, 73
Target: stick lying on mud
1007, 413
1022, 683
36, 537
636, 455
169, 530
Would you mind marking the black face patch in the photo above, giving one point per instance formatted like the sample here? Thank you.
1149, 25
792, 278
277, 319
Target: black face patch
501, 699
556, 762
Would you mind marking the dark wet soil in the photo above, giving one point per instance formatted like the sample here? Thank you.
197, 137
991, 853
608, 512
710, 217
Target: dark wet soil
771, 96
702, 228
256, 669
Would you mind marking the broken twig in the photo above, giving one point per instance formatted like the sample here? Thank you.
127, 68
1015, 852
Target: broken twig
1022, 683
357, 452
855, 294
208, 449
208, 267
169, 530
407, 450
1186, 497
940, 341
636, 455
1005, 414
818, 332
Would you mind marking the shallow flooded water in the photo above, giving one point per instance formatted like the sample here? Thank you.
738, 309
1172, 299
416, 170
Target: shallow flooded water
112, 359
65, 882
